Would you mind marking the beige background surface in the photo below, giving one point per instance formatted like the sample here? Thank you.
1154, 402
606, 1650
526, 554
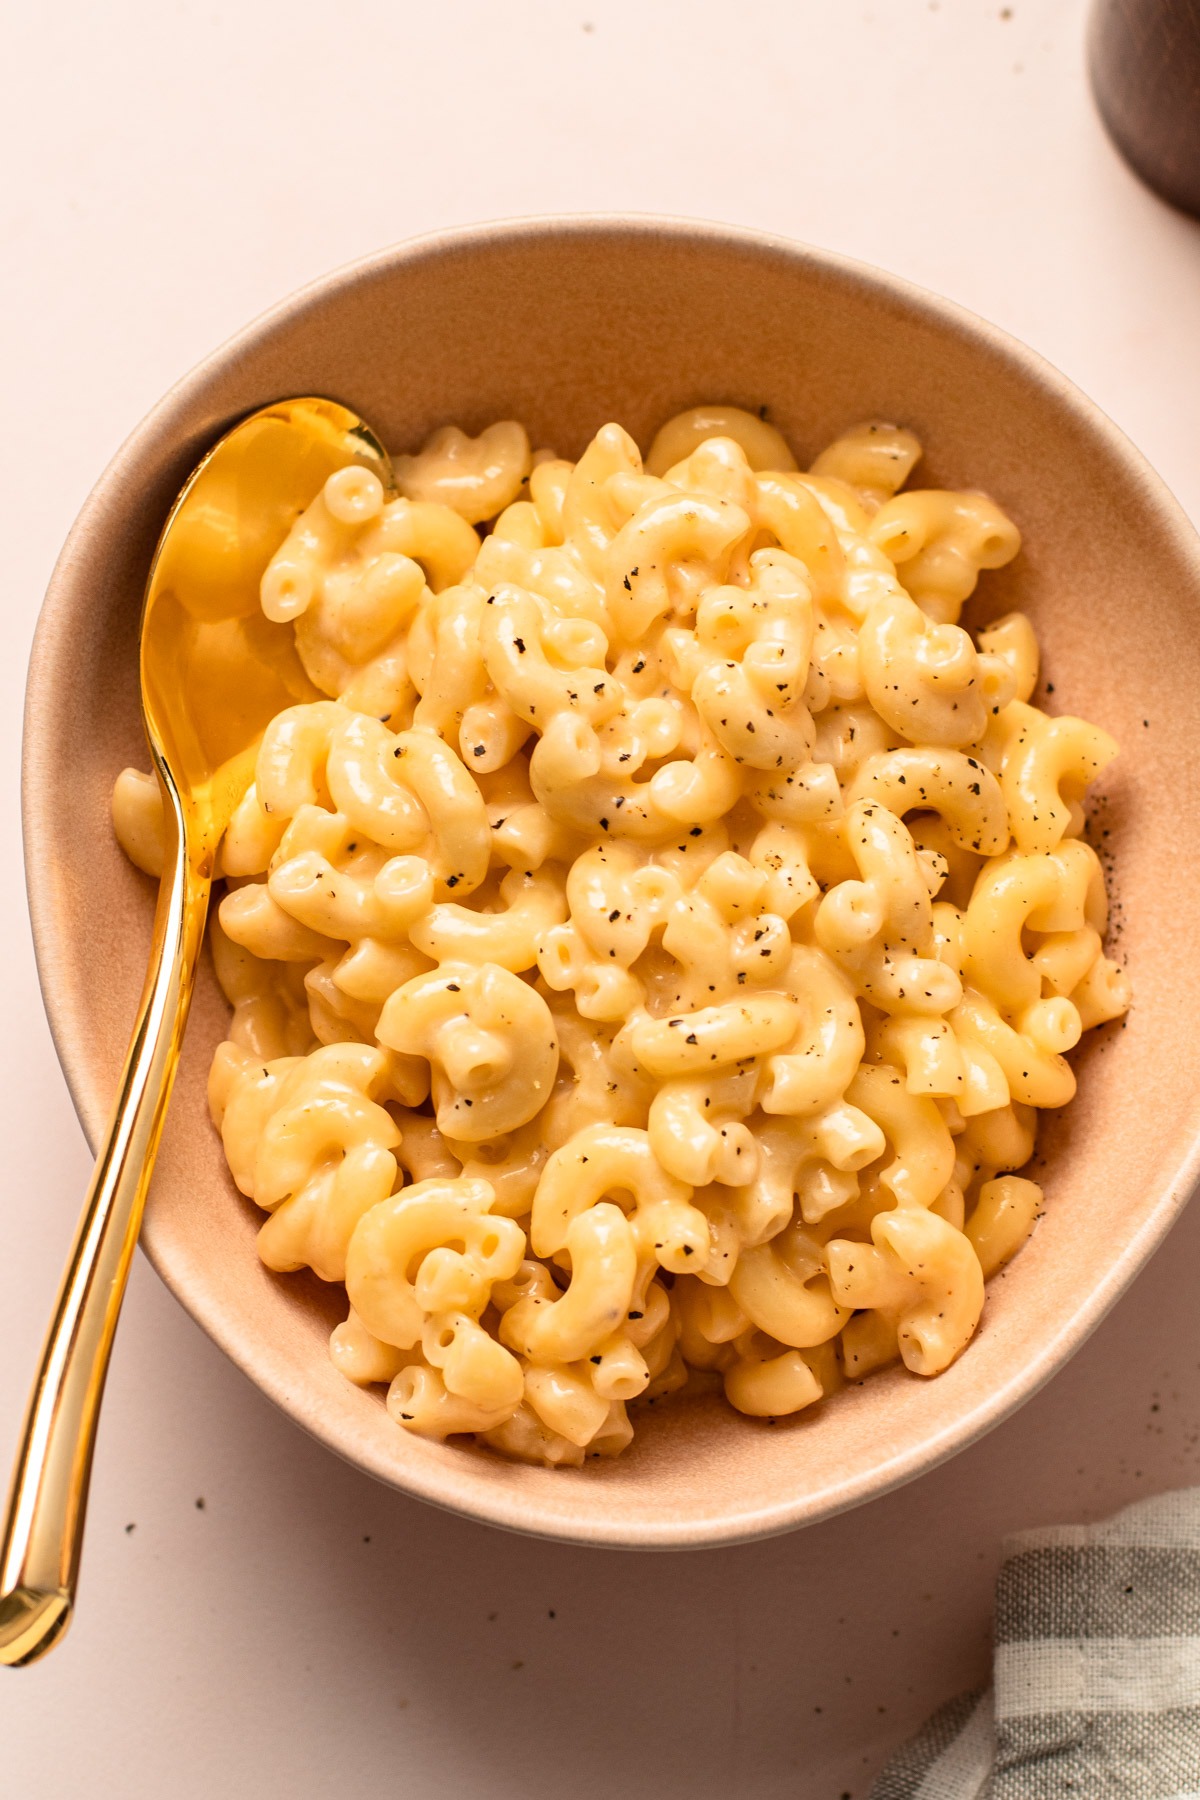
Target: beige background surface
257, 1618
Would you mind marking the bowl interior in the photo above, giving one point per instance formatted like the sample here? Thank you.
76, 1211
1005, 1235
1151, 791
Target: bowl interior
566, 326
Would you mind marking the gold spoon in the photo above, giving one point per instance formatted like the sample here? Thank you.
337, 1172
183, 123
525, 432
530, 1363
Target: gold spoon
214, 671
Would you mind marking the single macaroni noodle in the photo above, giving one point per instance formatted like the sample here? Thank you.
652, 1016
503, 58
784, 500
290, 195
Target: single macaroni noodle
650, 945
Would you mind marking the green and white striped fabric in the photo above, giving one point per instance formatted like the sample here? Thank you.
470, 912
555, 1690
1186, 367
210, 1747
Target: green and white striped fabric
1096, 1682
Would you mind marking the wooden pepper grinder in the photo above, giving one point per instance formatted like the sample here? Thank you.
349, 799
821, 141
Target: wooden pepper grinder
1144, 57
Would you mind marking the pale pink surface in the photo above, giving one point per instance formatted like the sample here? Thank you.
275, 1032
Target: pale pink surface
260, 1644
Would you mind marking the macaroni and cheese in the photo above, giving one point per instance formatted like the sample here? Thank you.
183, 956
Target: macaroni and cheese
651, 942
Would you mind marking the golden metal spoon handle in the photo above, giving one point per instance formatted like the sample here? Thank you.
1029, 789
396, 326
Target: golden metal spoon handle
43, 1526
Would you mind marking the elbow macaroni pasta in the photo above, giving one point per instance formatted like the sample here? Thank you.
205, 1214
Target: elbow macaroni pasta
648, 954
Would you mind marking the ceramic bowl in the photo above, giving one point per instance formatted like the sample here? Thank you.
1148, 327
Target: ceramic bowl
566, 324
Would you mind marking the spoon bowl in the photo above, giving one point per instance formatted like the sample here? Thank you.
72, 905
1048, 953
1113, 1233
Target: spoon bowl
214, 670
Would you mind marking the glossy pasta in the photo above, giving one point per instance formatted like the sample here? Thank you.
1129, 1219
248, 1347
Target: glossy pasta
649, 947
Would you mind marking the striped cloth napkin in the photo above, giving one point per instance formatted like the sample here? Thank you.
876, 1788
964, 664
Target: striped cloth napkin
1096, 1683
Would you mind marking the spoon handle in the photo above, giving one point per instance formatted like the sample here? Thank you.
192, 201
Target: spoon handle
43, 1524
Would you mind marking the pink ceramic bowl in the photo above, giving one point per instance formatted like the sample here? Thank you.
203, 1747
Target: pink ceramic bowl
566, 324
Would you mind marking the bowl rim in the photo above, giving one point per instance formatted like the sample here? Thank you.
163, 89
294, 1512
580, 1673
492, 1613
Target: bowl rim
497, 1505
